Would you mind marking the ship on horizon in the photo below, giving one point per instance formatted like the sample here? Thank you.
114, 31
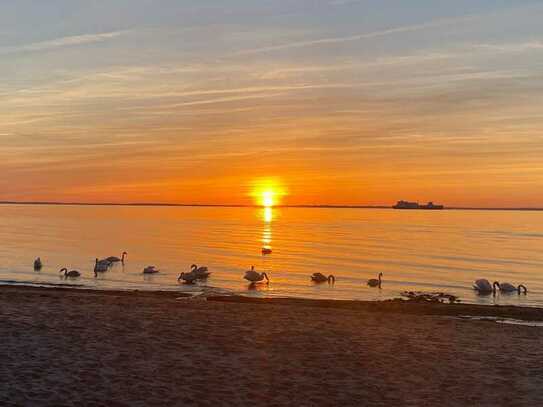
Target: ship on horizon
416, 205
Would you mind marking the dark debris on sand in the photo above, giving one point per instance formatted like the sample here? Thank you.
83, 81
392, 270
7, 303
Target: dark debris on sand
420, 296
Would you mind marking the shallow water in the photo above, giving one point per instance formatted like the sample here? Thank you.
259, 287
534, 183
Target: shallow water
416, 250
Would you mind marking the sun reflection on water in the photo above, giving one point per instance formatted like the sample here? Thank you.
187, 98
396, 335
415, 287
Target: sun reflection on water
267, 216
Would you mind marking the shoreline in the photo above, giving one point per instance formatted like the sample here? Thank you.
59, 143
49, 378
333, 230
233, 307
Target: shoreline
394, 306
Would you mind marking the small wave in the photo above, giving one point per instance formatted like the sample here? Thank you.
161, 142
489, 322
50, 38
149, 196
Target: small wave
507, 321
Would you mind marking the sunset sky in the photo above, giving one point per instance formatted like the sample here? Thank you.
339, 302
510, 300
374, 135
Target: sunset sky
331, 101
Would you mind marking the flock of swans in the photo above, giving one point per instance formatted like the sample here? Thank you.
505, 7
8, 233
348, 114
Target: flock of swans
482, 286
196, 273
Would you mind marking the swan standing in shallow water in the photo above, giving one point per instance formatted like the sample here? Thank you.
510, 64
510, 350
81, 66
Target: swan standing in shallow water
71, 273
375, 282
150, 270
255, 277
509, 288
113, 259
483, 286
321, 278
38, 264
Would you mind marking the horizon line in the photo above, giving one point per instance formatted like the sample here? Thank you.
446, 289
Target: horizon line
309, 206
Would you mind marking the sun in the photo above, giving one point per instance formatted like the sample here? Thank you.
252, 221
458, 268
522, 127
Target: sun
268, 199
267, 192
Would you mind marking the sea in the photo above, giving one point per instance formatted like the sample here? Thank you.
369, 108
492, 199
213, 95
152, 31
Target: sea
416, 250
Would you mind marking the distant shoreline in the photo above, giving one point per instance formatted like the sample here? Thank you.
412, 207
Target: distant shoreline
181, 205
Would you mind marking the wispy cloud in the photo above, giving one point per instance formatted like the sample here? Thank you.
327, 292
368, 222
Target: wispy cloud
357, 37
61, 42
512, 47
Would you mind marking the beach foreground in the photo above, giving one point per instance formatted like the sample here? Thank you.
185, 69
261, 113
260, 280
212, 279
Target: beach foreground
74, 347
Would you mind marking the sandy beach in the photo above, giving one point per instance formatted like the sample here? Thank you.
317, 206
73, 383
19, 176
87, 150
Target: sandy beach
72, 347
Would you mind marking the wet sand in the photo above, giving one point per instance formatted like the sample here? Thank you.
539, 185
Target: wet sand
73, 347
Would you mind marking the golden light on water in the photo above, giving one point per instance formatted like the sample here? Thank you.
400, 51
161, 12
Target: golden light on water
268, 214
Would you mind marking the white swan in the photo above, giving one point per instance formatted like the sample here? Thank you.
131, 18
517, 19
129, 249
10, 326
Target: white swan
201, 272
483, 286
375, 282
71, 273
105, 262
189, 278
321, 278
113, 259
38, 264
100, 266
150, 270
509, 288
255, 277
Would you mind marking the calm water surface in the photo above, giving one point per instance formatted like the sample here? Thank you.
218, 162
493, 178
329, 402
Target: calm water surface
416, 250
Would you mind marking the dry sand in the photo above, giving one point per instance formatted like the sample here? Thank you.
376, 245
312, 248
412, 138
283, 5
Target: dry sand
70, 347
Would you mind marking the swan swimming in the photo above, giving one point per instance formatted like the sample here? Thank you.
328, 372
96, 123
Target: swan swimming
375, 282
509, 288
255, 277
201, 272
100, 266
150, 270
321, 278
483, 286
113, 259
71, 273
189, 278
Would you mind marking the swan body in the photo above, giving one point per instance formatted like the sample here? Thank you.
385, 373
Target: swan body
509, 288
71, 273
113, 259
150, 270
38, 264
483, 286
189, 278
201, 272
266, 250
321, 278
255, 277
105, 262
375, 282
101, 266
